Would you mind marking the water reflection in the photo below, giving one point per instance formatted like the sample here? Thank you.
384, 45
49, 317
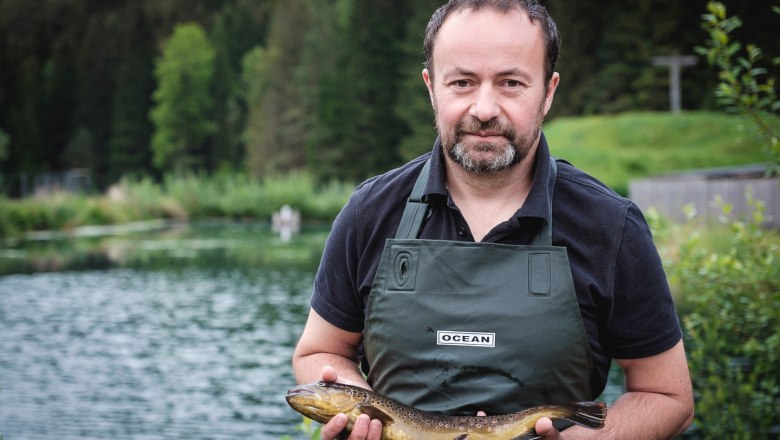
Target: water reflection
155, 245
172, 333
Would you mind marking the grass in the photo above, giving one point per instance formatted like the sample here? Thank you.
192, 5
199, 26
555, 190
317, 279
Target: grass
618, 148
184, 197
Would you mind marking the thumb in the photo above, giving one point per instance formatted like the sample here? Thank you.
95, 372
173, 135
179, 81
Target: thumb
329, 374
544, 427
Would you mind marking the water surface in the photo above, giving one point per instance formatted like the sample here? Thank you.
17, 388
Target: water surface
168, 333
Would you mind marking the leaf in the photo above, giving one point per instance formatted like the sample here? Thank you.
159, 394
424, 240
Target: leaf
731, 24
753, 51
732, 49
721, 37
717, 9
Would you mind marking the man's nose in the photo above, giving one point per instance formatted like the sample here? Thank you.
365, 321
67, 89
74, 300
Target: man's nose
485, 106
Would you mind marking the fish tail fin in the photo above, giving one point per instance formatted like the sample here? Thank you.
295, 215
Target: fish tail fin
587, 414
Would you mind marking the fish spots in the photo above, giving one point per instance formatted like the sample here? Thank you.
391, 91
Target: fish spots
419, 424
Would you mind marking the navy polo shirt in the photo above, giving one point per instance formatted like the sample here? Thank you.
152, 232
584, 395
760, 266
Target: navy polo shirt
624, 297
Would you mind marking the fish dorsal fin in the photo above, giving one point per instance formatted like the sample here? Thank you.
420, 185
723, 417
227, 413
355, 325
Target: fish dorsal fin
376, 413
462, 437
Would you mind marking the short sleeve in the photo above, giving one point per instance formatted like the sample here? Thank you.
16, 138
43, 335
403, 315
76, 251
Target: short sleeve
335, 295
643, 321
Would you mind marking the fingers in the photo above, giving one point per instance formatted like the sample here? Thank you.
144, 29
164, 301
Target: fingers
544, 427
364, 428
375, 430
333, 428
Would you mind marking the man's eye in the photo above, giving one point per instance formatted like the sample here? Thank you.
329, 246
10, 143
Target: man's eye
513, 83
461, 83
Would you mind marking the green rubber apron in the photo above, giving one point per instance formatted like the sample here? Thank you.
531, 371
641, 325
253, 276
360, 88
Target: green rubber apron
456, 327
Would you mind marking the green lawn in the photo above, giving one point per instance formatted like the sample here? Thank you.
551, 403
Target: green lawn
618, 148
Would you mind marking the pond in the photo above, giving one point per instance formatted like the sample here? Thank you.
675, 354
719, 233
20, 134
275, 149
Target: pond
153, 330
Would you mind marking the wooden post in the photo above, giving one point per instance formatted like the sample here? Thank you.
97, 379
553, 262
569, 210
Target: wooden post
675, 63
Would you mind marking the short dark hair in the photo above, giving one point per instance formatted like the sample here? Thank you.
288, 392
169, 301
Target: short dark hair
535, 12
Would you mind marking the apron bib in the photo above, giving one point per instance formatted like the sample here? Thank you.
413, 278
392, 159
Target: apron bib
456, 327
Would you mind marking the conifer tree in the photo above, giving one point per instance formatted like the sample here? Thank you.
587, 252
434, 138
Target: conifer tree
183, 103
274, 136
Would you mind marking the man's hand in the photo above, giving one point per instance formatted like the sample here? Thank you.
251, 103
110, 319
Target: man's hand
364, 428
328, 353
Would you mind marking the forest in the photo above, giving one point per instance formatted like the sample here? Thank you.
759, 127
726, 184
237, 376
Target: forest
121, 88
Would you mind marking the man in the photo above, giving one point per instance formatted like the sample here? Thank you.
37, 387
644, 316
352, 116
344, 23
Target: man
509, 279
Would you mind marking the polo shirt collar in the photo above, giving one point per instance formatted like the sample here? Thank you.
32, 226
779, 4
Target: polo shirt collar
537, 203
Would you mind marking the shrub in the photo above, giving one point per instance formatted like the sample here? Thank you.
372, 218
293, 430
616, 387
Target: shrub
733, 329
745, 84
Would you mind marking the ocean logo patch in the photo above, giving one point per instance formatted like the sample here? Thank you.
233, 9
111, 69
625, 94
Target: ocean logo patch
466, 339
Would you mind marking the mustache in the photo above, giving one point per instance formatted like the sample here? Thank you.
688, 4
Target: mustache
495, 126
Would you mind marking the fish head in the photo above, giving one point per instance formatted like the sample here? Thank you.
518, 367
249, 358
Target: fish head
321, 401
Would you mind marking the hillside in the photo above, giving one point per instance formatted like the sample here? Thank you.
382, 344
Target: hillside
618, 148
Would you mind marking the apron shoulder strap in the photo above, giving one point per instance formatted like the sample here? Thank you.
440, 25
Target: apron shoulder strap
415, 210
544, 236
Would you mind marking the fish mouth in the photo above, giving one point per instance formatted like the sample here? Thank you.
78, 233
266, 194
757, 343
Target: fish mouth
300, 391
302, 394
309, 402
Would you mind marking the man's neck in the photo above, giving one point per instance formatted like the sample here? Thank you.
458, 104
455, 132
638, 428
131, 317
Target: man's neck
487, 199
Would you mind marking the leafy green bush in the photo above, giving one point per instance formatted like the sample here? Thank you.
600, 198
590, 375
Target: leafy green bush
328, 200
242, 197
197, 195
296, 189
733, 329
38, 213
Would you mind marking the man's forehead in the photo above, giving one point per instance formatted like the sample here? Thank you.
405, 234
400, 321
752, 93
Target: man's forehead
482, 17
487, 24
476, 33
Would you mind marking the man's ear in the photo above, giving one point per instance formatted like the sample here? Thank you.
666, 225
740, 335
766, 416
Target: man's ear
429, 83
551, 86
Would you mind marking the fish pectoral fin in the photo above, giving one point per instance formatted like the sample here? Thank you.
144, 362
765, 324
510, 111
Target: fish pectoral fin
376, 413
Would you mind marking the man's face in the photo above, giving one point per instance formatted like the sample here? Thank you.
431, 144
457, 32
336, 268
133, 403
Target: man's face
488, 88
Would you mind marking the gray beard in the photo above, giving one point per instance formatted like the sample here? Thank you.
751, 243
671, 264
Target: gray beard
509, 155
513, 150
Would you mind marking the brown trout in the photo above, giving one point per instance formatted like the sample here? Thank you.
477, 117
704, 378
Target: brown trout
322, 400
